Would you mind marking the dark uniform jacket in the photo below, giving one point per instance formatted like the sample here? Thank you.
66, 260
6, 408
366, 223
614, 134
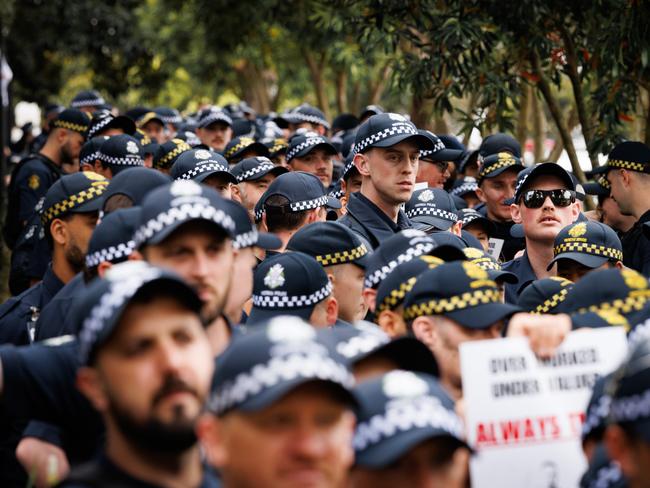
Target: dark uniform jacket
54, 320
18, 315
524, 271
636, 247
366, 219
30, 180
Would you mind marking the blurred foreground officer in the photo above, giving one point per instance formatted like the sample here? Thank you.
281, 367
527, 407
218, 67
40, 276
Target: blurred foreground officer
69, 217
386, 153
627, 436
408, 434
148, 381
454, 303
35, 175
280, 412
628, 168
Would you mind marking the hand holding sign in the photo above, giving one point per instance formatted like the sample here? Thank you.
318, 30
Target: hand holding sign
545, 333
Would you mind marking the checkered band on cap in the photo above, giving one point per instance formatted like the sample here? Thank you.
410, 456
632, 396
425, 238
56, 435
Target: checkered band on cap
130, 161
396, 296
417, 413
207, 165
64, 124
631, 165
110, 254
309, 142
336, 194
278, 145
290, 302
312, 119
119, 292
418, 249
550, 303
520, 184
87, 102
486, 263
632, 303
95, 128
246, 239
275, 371
171, 119
630, 408
243, 143
361, 344
604, 182
308, 204
96, 189
433, 212
464, 188
587, 248
260, 168
215, 116
596, 414
89, 158
181, 147
341, 257
259, 214
402, 128
500, 163
439, 146
182, 213
469, 217
459, 302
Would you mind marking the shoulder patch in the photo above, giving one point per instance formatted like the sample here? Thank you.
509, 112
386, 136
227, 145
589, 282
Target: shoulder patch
34, 181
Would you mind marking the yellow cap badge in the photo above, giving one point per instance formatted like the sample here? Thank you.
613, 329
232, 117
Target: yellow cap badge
578, 229
34, 182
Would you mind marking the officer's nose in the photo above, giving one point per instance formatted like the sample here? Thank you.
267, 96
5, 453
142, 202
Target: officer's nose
307, 443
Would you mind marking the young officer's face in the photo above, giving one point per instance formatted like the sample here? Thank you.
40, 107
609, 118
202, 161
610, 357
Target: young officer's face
317, 162
495, 191
153, 376
203, 257
250, 192
391, 171
304, 439
429, 464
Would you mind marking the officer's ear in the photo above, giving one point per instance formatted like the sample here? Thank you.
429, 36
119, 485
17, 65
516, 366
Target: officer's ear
481, 195
209, 430
425, 330
89, 384
235, 193
392, 323
61, 135
370, 298
455, 229
621, 450
59, 232
362, 163
515, 213
103, 267
332, 310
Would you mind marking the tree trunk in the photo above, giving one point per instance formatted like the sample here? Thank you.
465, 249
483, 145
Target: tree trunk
420, 112
581, 106
473, 98
254, 89
377, 89
341, 91
646, 110
522, 122
545, 88
316, 72
539, 134
354, 102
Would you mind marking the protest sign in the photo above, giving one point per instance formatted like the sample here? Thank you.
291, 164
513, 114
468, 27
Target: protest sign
524, 415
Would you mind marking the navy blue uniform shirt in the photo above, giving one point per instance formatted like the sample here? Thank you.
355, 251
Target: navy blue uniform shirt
524, 271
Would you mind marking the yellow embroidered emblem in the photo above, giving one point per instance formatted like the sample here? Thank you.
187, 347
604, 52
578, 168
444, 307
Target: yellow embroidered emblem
578, 229
634, 280
91, 175
34, 182
472, 253
474, 272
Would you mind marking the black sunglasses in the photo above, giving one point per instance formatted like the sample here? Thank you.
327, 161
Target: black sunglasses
560, 198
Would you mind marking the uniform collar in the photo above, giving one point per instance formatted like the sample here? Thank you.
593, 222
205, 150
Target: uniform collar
51, 283
371, 215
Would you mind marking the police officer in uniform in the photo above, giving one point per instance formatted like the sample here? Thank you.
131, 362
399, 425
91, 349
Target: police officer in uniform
386, 153
35, 174
69, 216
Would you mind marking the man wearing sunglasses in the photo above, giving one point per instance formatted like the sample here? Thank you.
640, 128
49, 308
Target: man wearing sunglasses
628, 173
544, 203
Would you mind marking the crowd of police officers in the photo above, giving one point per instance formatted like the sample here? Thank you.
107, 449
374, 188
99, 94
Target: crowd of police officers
225, 298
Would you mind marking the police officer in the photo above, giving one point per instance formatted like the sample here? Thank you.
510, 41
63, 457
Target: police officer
454, 303
282, 392
465, 188
243, 147
394, 447
111, 243
293, 283
583, 247
544, 203
434, 167
476, 224
34, 175
343, 256
153, 126
167, 153
545, 295
207, 167
386, 152
627, 170
69, 216
350, 182
253, 175
313, 154
292, 201
130, 186
433, 210
627, 438
149, 405
88, 101
118, 153
214, 129
307, 118
106, 124
393, 288
496, 185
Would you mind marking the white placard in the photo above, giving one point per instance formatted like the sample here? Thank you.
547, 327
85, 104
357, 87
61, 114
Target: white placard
523, 415
494, 247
